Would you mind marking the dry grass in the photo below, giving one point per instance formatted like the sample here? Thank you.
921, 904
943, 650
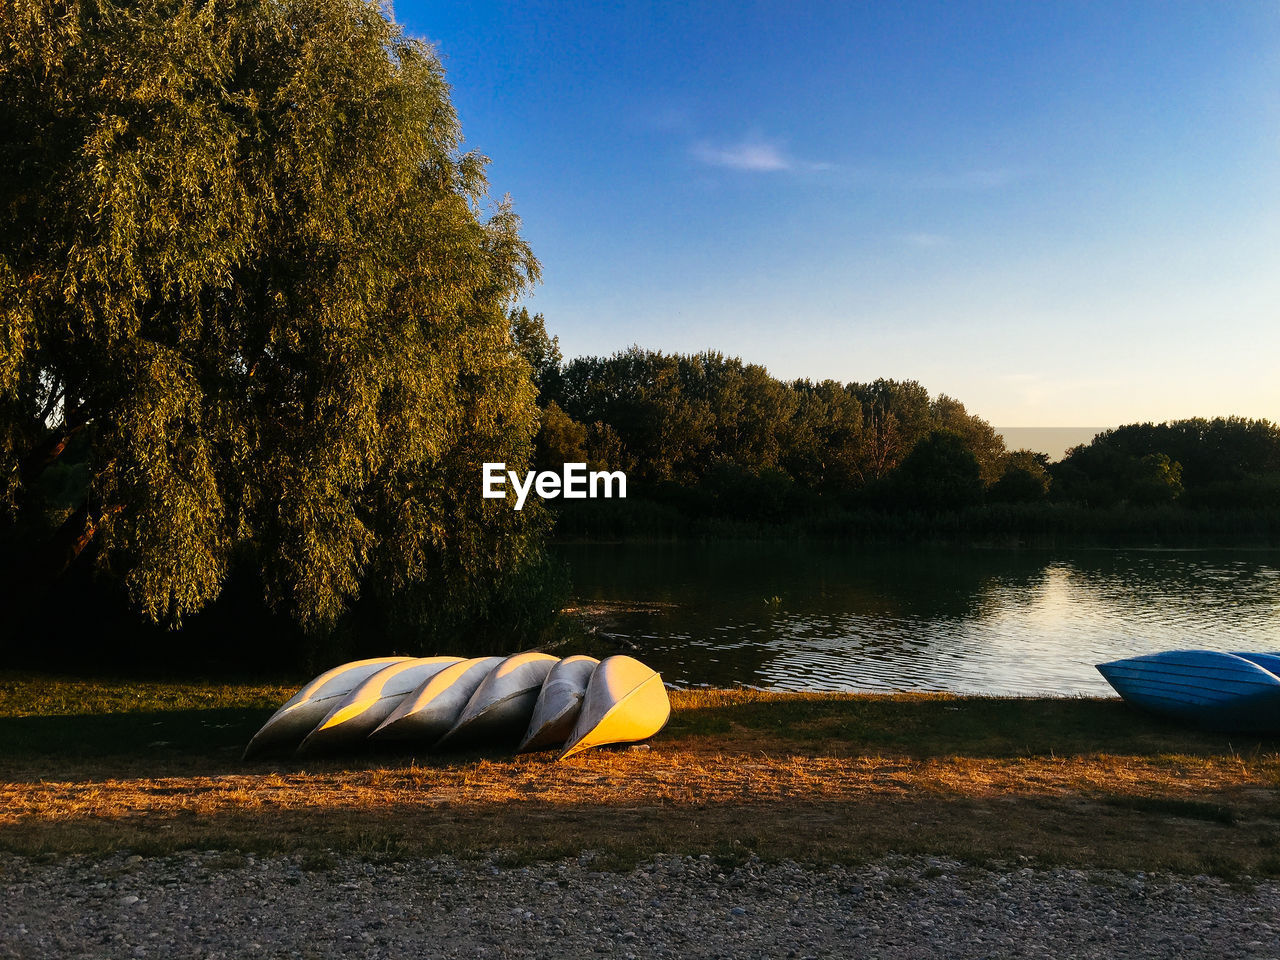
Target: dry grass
666, 776
1084, 782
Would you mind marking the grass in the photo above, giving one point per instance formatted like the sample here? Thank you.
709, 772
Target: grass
92, 766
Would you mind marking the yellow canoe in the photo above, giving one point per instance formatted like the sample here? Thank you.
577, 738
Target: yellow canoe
365, 707
559, 703
499, 711
434, 707
309, 706
625, 702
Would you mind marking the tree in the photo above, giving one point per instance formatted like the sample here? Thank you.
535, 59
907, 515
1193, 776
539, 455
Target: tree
940, 473
897, 415
1225, 462
605, 449
247, 271
656, 403
1225, 450
561, 439
538, 347
1155, 479
1025, 478
824, 447
979, 436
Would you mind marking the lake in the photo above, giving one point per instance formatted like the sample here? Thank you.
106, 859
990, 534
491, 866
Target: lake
789, 616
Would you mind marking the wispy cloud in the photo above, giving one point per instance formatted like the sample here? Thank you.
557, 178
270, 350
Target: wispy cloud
755, 155
759, 154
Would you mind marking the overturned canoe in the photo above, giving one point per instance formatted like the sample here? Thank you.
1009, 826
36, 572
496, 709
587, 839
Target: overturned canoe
625, 701
1221, 691
559, 703
499, 711
309, 706
357, 714
426, 714
1267, 661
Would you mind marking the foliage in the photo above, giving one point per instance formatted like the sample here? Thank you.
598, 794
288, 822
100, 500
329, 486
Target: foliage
825, 438
1223, 449
247, 269
561, 439
720, 446
977, 436
1221, 463
719, 434
1025, 478
539, 348
1156, 479
940, 473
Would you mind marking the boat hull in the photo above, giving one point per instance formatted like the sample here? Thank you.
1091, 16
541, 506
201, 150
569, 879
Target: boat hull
625, 702
559, 703
1217, 691
289, 725
360, 712
498, 712
426, 714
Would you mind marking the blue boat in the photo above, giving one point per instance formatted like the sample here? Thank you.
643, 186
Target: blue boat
1220, 691
1268, 661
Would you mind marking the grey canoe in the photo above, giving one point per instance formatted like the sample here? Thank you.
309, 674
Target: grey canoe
625, 702
499, 711
426, 714
309, 706
559, 703
358, 713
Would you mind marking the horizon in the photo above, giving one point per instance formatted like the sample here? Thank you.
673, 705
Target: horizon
1055, 441
1054, 214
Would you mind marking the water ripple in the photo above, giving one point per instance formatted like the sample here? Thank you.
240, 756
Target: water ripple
993, 623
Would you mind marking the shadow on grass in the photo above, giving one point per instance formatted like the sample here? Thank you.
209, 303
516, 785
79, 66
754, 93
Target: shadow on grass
927, 726
1227, 825
208, 734
210, 741
182, 743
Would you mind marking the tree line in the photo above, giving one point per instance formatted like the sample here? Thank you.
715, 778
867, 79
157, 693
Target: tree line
709, 434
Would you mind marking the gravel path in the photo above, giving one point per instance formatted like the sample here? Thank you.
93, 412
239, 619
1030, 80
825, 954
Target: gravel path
209, 905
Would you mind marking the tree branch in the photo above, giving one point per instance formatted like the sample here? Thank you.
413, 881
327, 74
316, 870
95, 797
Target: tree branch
73, 535
56, 393
43, 455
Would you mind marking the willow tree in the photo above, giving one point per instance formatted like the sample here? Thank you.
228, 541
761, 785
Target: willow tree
251, 281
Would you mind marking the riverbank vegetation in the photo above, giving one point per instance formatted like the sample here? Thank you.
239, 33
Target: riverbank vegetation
154, 767
716, 447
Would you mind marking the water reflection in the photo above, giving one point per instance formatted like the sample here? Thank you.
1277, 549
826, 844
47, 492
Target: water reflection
787, 616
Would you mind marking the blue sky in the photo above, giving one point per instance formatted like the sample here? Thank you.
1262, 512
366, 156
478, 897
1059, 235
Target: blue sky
1061, 214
